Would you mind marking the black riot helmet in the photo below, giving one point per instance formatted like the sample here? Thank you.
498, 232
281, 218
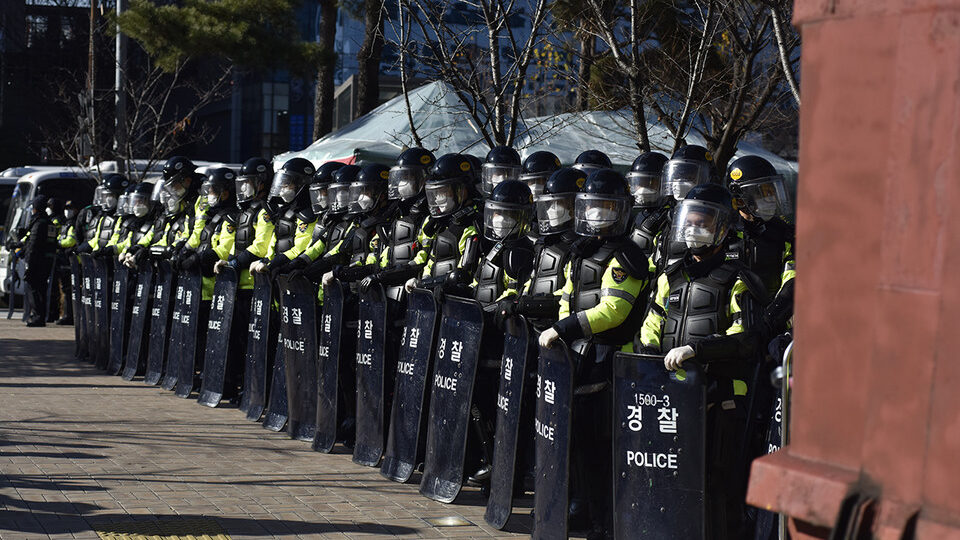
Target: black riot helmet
178, 177
704, 218
55, 206
592, 159
108, 193
555, 205
254, 179
602, 208
338, 191
502, 163
758, 188
219, 187
141, 199
319, 184
448, 184
70, 210
689, 166
291, 179
506, 212
123, 203
644, 179
408, 175
537, 169
368, 190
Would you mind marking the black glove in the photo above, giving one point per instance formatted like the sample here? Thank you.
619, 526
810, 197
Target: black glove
298, 263
506, 308
189, 261
368, 282
276, 266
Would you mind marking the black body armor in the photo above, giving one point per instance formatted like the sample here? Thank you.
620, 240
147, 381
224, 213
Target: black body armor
697, 307
514, 259
246, 225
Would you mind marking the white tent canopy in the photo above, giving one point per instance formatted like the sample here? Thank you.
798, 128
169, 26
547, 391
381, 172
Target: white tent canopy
568, 134
443, 123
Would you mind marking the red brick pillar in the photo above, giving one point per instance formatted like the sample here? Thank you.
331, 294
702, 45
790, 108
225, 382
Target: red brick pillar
875, 432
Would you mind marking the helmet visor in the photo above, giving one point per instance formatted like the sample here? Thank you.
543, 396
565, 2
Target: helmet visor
700, 224
492, 174
442, 198
764, 198
123, 205
157, 190
108, 200
587, 167
339, 197
364, 197
169, 202
286, 186
501, 220
645, 188
247, 187
319, 199
680, 176
405, 182
601, 215
140, 204
176, 185
555, 212
536, 182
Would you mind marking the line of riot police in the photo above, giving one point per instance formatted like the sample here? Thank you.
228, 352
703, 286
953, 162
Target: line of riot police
602, 340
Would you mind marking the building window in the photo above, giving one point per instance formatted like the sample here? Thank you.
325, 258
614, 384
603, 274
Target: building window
36, 29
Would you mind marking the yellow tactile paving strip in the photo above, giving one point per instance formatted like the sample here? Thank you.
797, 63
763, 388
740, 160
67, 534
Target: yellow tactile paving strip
179, 529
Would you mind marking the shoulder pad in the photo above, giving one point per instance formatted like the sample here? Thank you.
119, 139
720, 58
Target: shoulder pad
633, 260
727, 272
754, 285
518, 258
306, 215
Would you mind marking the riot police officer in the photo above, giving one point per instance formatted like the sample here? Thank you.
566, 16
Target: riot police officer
140, 217
295, 219
601, 308
588, 160
67, 240
218, 234
540, 301
108, 194
254, 226
327, 240
650, 212
502, 163
537, 168
700, 311
454, 226
688, 167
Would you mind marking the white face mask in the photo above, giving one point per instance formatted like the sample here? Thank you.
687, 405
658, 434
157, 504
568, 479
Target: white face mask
645, 195
680, 189
503, 223
213, 199
557, 213
697, 237
246, 190
172, 204
365, 202
407, 189
48, 211
288, 194
140, 210
70, 214
599, 215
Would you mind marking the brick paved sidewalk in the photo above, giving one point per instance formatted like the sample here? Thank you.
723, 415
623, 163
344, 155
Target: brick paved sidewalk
80, 449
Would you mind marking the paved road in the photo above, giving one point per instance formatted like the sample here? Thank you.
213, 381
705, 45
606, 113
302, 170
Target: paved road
82, 452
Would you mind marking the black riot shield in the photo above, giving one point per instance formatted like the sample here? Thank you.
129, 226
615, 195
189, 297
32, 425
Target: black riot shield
371, 354
219, 327
552, 441
139, 317
513, 371
189, 315
171, 365
277, 406
101, 305
455, 368
76, 282
404, 437
331, 329
160, 327
298, 329
118, 316
255, 377
659, 449
88, 272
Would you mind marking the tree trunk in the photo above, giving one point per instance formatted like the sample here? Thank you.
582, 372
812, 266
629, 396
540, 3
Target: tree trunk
323, 102
587, 48
368, 58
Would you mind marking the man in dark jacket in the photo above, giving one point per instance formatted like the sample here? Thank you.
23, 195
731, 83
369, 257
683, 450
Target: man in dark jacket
40, 249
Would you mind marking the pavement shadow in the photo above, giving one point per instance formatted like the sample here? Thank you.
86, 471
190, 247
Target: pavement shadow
198, 524
46, 359
27, 481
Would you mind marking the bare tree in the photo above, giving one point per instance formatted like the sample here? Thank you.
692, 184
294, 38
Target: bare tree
489, 79
162, 115
368, 57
